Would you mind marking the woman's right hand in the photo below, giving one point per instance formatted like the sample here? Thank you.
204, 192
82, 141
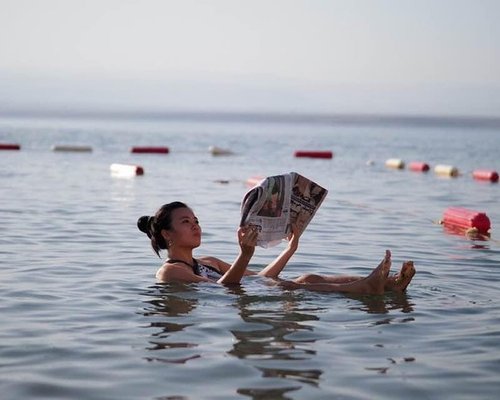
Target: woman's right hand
247, 238
293, 238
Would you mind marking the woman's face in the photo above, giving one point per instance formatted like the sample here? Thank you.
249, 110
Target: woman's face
185, 230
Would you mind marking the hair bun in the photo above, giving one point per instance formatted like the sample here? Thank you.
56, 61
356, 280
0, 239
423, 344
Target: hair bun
144, 224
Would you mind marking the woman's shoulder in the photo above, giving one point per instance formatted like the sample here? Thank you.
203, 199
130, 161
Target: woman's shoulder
169, 272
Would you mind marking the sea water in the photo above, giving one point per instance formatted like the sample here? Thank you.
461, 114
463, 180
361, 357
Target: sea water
83, 318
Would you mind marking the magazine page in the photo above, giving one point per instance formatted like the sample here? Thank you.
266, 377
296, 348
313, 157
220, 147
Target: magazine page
279, 201
306, 198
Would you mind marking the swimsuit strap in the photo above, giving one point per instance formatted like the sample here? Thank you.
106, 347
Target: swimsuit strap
195, 266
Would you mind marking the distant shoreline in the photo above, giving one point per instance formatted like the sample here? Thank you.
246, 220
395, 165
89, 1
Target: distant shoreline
263, 117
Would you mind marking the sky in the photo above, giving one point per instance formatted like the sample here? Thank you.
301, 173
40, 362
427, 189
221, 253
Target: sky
337, 56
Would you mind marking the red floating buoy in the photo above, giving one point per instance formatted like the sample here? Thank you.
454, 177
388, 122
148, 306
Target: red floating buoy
314, 154
9, 146
465, 219
418, 166
150, 149
485, 175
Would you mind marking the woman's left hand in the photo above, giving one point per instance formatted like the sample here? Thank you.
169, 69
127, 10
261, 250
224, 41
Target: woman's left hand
247, 238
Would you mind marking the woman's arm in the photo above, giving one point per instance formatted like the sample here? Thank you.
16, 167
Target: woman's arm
274, 269
247, 238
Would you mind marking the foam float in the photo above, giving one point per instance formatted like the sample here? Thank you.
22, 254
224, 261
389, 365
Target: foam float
395, 163
446, 170
73, 148
150, 149
465, 220
9, 146
126, 169
219, 151
254, 180
418, 166
313, 154
485, 175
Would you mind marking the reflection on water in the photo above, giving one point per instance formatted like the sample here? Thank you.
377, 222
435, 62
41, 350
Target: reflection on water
174, 304
265, 334
390, 301
274, 332
265, 394
277, 318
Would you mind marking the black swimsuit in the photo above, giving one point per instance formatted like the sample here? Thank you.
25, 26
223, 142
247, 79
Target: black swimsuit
200, 269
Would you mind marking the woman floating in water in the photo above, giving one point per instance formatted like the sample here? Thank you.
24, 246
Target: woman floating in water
175, 228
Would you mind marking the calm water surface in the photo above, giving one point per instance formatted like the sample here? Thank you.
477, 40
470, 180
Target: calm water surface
83, 318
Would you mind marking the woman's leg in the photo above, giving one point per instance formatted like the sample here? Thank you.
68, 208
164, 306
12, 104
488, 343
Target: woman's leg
400, 281
396, 283
372, 284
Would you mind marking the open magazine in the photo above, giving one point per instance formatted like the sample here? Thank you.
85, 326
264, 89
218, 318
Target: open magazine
277, 202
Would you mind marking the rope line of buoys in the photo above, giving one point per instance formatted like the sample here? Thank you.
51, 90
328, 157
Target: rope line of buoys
441, 169
485, 175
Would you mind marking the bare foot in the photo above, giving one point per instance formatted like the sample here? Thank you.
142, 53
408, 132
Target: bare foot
400, 281
377, 279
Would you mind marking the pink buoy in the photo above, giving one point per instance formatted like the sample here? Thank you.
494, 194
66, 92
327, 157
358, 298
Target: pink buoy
418, 166
485, 175
465, 219
150, 149
314, 154
9, 146
254, 180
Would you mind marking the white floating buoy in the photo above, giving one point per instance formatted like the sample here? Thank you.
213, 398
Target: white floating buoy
395, 163
218, 151
74, 148
126, 170
446, 170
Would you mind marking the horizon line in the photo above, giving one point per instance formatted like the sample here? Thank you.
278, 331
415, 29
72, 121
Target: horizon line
321, 118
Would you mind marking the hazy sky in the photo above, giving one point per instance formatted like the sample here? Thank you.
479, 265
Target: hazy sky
355, 55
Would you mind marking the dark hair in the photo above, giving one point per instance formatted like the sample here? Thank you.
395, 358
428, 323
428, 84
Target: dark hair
152, 225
